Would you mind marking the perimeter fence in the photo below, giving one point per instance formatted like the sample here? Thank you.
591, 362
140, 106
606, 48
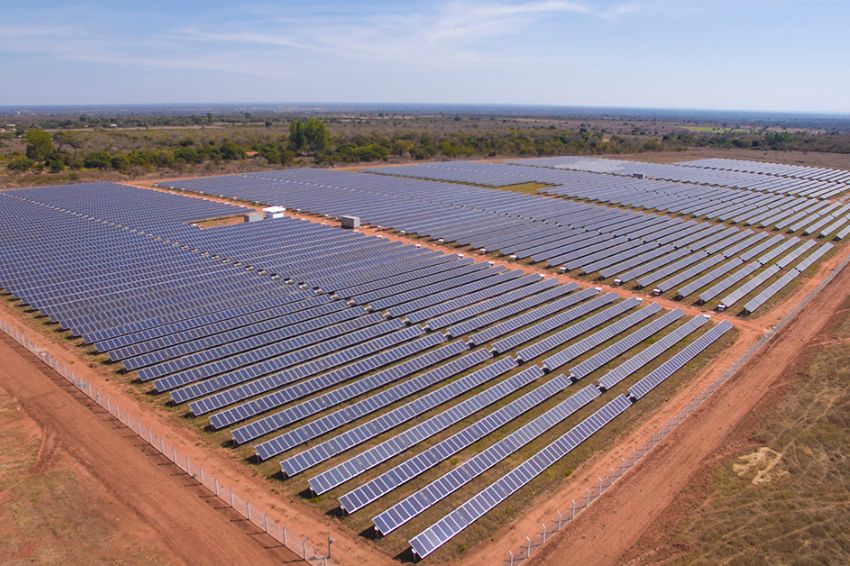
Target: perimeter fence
256, 515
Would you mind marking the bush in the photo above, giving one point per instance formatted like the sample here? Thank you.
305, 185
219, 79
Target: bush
20, 163
231, 152
98, 160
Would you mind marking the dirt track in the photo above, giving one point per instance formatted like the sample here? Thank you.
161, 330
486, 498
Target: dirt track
147, 489
609, 528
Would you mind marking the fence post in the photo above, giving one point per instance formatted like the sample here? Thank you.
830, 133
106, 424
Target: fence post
266, 522
304, 548
285, 537
574, 510
586, 496
510, 558
202, 475
216, 486
174, 453
248, 505
559, 521
544, 532
528, 548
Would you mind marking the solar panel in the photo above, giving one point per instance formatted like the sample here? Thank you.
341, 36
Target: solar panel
395, 516
586, 344
338, 396
813, 257
623, 345
548, 324
389, 420
516, 322
770, 291
345, 471
319, 383
671, 366
747, 287
370, 491
449, 526
650, 353
351, 412
727, 282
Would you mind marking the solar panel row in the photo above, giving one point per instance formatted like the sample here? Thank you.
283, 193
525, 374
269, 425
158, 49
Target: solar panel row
449, 526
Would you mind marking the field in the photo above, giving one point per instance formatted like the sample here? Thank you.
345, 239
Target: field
779, 493
247, 255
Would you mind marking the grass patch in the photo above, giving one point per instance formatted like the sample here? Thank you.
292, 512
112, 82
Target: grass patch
531, 187
783, 498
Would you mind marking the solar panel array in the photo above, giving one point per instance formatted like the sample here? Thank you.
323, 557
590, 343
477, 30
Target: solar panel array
765, 168
717, 203
334, 351
449, 526
646, 251
678, 172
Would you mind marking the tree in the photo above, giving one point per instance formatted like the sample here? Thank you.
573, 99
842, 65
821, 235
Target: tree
297, 137
318, 137
309, 135
98, 160
231, 151
39, 145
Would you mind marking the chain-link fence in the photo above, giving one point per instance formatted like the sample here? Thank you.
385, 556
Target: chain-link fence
259, 517
525, 549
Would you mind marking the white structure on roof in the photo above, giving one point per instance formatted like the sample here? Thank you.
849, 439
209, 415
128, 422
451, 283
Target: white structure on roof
274, 212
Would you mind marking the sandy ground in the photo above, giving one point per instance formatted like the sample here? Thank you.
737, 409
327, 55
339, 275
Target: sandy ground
135, 506
218, 461
629, 511
44, 493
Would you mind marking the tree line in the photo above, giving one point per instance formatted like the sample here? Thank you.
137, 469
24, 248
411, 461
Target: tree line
310, 140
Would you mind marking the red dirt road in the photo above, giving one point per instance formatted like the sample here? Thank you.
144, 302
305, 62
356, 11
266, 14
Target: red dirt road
184, 518
609, 528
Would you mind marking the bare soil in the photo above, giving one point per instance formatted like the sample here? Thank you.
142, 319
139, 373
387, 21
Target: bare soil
74, 470
53, 510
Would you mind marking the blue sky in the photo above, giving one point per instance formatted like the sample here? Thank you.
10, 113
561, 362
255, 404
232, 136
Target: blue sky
773, 55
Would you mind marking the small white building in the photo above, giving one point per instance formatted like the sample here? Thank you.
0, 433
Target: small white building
350, 222
272, 212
